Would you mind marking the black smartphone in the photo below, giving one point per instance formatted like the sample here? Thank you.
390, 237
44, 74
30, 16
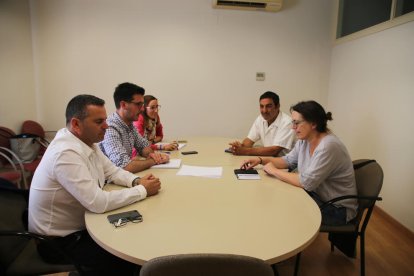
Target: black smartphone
133, 216
243, 171
189, 152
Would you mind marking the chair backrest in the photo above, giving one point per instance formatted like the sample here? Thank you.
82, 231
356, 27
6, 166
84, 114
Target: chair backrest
32, 127
5, 134
369, 178
13, 211
18, 252
206, 265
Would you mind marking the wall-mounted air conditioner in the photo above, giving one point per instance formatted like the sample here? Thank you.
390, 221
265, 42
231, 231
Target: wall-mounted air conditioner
257, 5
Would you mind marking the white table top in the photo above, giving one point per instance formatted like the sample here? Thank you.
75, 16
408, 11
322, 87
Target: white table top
266, 218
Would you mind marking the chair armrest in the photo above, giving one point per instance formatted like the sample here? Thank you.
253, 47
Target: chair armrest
12, 153
8, 160
20, 163
23, 234
330, 202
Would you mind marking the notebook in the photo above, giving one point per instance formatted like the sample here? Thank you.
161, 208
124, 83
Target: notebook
250, 174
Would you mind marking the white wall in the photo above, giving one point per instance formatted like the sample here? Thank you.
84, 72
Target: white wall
199, 61
17, 89
371, 95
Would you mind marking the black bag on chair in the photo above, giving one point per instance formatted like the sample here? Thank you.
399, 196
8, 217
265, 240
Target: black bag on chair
26, 147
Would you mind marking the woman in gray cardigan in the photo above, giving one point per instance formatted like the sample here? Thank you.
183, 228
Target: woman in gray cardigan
324, 167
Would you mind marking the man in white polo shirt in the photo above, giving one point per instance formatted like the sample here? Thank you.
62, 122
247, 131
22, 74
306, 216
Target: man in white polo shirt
272, 128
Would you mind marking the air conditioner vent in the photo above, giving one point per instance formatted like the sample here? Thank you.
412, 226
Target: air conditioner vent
241, 4
257, 5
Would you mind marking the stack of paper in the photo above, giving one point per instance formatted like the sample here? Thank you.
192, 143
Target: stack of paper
172, 164
210, 172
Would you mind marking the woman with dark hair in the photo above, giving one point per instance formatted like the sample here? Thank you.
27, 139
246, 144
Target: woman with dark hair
324, 167
149, 124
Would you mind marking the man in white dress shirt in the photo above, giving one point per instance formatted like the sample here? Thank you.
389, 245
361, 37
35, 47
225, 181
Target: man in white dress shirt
70, 180
272, 128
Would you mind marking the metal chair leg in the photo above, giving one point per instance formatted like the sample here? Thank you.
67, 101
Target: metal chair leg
296, 272
362, 252
275, 271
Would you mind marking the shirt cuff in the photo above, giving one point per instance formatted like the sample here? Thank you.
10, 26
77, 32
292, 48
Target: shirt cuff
142, 191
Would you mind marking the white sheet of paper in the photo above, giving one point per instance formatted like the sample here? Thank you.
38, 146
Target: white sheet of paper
173, 164
180, 145
210, 172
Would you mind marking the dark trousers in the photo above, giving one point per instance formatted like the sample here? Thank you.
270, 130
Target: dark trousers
83, 250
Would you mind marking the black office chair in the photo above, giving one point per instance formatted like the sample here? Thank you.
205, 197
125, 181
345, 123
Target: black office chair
369, 177
18, 251
206, 265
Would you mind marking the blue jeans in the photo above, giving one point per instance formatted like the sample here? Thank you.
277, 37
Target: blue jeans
331, 215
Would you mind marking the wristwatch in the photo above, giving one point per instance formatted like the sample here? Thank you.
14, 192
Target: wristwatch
135, 182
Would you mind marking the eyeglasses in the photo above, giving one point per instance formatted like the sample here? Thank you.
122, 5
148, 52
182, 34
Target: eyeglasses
137, 104
295, 123
123, 221
155, 107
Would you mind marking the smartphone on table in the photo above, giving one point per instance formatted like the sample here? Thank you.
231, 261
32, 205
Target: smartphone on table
189, 152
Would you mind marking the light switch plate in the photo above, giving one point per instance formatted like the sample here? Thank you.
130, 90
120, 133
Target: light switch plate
260, 76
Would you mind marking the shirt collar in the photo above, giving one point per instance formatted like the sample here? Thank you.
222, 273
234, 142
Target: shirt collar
121, 122
83, 147
275, 123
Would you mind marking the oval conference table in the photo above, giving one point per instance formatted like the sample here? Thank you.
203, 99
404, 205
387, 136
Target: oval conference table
265, 218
